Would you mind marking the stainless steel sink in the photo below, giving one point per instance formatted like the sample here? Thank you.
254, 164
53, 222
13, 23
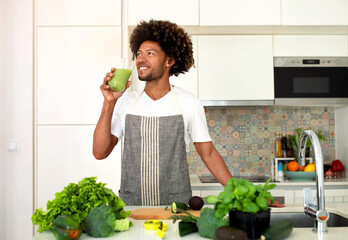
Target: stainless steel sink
301, 220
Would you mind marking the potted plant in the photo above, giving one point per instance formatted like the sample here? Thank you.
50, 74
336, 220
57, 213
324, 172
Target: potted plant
246, 204
294, 141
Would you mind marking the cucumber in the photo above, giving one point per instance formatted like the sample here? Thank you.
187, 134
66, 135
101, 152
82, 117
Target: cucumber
187, 228
279, 230
179, 205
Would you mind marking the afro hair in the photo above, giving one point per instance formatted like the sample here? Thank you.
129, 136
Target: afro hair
172, 39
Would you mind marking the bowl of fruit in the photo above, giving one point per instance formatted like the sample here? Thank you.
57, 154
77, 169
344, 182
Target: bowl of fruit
296, 172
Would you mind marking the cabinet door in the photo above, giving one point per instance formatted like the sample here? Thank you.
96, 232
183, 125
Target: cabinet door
78, 12
65, 155
188, 81
181, 12
72, 63
240, 12
310, 45
235, 68
314, 12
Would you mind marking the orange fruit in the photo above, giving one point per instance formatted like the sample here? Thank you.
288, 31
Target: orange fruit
293, 166
309, 168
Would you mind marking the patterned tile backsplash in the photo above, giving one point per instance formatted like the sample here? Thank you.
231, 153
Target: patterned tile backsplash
245, 136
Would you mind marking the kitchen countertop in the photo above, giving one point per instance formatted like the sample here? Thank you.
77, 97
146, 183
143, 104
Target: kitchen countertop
286, 183
138, 231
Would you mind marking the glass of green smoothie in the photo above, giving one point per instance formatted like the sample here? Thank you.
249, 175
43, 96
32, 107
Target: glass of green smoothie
122, 73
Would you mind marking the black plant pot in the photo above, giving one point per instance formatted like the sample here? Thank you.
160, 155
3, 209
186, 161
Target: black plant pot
252, 223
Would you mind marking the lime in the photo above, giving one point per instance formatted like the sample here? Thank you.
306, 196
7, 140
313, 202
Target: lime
285, 167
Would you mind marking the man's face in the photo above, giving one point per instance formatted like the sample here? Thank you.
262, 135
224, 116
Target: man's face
151, 61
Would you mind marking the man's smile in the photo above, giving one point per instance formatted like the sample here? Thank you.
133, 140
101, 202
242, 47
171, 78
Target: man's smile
143, 67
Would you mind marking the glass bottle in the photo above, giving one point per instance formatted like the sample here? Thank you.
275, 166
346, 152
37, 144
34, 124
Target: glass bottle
284, 141
278, 145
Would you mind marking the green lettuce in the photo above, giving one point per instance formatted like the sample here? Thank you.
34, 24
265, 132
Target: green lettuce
76, 200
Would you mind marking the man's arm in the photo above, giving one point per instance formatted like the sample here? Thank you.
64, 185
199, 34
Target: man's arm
103, 141
213, 160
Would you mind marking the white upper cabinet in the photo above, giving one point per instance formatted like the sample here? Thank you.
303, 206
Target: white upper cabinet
71, 65
235, 67
310, 45
314, 12
78, 12
189, 80
239, 12
181, 12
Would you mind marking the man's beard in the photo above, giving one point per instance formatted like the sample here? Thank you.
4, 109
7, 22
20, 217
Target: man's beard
147, 78
152, 75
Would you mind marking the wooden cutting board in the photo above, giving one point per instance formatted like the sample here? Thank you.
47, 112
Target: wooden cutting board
158, 213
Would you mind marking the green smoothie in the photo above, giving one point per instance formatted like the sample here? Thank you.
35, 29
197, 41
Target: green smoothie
119, 81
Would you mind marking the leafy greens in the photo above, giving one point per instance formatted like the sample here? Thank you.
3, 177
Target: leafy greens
76, 200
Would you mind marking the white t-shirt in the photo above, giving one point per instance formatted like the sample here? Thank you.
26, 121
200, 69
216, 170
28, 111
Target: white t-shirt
189, 106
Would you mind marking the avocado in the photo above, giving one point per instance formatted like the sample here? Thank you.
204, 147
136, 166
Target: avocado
196, 203
230, 233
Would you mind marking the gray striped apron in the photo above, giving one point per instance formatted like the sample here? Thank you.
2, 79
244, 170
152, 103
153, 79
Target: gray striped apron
154, 163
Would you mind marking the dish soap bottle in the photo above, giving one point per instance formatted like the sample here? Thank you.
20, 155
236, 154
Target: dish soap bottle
280, 172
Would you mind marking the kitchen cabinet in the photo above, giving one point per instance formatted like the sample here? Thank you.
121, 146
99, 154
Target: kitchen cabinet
310, 45
239, 12
331, 196
77, 42
189, 80
182, 12
71, 65
78, 12
65, 156
314, 12
235, 67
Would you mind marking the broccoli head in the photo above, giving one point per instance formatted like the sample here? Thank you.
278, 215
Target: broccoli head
101, 222
207, 223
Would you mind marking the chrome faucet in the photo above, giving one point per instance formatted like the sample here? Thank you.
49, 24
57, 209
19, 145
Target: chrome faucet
316, 211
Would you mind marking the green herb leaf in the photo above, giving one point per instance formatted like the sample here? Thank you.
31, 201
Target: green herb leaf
222, 195
238, 205
229, 188
262, 202
240, 190
211, 199
220, 213
250, 207
228, 198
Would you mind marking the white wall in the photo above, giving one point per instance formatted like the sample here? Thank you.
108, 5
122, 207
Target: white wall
342, 136
16, 90
2, 123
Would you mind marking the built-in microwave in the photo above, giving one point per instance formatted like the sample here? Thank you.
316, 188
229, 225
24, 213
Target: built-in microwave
311, 80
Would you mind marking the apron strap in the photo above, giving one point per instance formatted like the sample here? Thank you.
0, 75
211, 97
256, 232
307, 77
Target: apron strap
176, 101
130, 110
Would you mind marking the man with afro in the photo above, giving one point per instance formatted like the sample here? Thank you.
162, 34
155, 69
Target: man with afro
157, 122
